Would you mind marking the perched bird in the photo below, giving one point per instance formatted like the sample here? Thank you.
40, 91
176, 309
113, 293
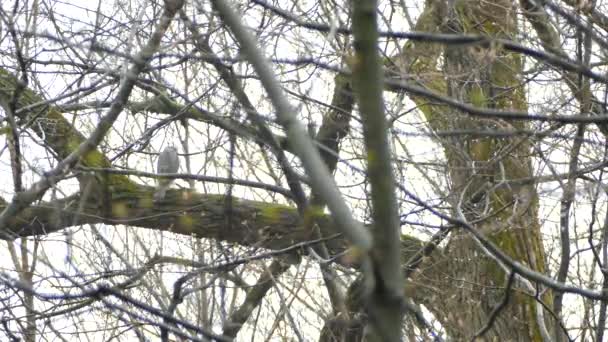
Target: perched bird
168, 162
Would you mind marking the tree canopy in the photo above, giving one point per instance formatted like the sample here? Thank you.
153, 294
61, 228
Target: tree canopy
350, 171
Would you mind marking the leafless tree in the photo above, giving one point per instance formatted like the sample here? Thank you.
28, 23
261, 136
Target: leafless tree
377, 171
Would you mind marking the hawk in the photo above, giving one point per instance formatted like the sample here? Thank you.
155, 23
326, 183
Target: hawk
168, 162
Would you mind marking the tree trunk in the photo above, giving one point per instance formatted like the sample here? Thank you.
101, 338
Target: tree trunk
481, 171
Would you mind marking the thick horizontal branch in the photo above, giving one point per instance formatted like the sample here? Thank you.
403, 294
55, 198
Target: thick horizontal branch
184, 212
259, 224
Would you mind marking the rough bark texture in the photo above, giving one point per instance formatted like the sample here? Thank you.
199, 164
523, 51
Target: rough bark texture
479, 169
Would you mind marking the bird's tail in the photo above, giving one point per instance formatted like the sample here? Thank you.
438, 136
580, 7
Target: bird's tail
160, 192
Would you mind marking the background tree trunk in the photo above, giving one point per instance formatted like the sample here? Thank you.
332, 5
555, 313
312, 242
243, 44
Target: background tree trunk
482, 173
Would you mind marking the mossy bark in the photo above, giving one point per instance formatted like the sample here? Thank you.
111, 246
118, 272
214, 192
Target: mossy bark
479, 171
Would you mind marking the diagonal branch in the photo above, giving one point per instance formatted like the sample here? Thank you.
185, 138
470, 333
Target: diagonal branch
549, 37
321, 180
23, 199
